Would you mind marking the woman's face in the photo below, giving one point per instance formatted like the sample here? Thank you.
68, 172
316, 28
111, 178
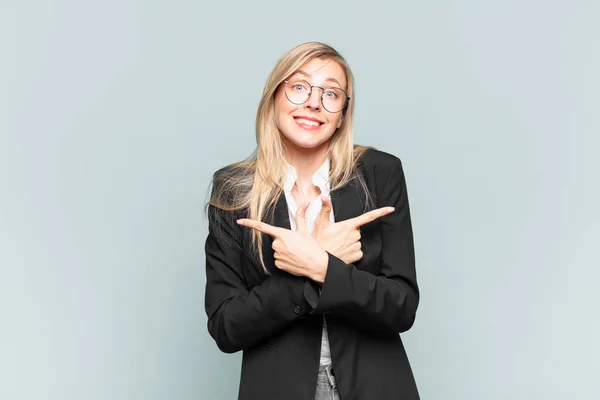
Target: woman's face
310, 125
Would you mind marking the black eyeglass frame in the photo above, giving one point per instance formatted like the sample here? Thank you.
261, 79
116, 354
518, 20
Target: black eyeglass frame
322, 92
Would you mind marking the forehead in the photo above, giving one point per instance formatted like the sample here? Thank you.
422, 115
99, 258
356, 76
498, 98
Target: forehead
323, 70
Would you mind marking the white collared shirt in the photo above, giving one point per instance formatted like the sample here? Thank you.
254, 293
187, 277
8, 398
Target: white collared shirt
321, 180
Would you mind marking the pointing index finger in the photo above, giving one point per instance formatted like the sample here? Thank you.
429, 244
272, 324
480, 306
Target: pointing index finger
371, 216
260, 226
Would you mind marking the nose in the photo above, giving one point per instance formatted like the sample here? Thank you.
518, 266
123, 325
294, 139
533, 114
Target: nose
314, 101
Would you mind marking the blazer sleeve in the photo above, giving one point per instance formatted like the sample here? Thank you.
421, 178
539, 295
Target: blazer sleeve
240, 317
388, 301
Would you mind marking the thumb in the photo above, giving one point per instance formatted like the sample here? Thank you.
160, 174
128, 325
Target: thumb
301, 218
326, 204
323, 220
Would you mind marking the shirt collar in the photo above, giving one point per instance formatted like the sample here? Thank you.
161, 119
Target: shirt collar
320, 178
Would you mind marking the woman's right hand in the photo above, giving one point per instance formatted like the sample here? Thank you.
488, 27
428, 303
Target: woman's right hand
342, 239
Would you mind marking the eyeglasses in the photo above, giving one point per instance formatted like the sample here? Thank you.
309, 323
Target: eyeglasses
333, 99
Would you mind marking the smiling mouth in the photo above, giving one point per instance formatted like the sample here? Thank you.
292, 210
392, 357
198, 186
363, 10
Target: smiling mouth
307, 122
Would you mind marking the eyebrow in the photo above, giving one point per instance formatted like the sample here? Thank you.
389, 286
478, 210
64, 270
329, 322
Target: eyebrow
326, 80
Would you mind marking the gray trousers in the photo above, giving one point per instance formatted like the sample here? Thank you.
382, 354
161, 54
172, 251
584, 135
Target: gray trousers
326, 385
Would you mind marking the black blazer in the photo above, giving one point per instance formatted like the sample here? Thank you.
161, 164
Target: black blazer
277, 320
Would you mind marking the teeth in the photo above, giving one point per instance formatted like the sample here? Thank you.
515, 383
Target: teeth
307, 122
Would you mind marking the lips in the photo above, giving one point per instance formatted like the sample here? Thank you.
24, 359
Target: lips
308, 122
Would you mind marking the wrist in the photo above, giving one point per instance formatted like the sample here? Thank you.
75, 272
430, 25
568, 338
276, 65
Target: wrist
321, 270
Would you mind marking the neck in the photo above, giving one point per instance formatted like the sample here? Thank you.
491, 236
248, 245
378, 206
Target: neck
306, 161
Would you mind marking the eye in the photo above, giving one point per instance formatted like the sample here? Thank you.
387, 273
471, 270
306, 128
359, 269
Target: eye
299, 86
330, 93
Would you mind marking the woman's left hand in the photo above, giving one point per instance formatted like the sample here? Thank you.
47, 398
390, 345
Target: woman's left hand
296, 252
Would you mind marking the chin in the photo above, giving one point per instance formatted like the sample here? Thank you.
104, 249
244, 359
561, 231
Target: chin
307, 143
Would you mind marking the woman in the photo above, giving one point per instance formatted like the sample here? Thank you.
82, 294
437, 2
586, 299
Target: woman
310, 265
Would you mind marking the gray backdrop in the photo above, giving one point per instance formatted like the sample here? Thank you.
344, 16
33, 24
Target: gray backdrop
114, 114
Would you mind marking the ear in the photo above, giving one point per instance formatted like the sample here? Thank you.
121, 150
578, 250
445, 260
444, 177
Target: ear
340, 122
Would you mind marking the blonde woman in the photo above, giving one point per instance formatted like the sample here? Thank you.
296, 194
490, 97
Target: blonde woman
310, 266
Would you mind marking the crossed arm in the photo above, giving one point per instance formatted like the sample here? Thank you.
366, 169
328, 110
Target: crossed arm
240, 317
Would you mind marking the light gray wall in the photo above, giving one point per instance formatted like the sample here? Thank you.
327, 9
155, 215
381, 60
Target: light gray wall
114, 114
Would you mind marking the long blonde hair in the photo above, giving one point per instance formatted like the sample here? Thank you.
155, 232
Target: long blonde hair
256, 183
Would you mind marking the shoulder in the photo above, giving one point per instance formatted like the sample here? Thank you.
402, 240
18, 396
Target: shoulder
383, 175
233, 181
228, 172
230, 187
379, 162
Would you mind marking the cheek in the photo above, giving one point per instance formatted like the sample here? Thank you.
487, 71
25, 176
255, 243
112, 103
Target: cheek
335, 121
282, 108
339, 122
281, 119
332, 128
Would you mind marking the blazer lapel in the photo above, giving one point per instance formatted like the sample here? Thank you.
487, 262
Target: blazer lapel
281, 219
281, 216
348, 201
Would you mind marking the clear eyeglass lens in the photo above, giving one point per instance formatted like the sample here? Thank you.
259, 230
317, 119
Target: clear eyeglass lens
333, 99
298, 91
